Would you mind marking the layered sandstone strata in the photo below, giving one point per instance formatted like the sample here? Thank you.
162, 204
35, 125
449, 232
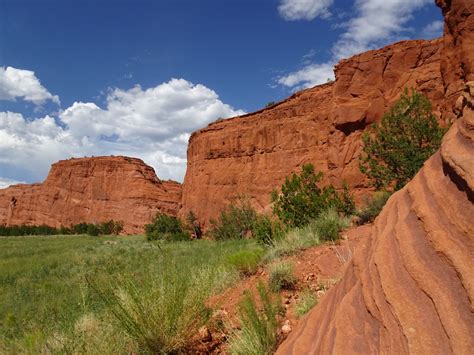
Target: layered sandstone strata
92, 190
410, 287
251, 154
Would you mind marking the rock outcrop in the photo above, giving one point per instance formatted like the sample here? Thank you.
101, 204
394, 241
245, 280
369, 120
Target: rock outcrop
92, 190
251, 154
410, 287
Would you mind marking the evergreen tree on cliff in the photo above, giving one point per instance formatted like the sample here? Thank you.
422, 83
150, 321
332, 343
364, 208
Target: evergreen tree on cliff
397, 148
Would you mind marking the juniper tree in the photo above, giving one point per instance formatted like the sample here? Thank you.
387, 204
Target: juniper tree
397, 147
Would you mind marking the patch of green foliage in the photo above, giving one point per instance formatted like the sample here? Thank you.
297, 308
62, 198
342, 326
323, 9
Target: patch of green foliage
236, 221
168, 228
107, 228
267, 231
163, 314
258, 332
48, 307
329, 224
193, 225
281, 277
302, 200
373, 206
306, 301
246, 261
397, 148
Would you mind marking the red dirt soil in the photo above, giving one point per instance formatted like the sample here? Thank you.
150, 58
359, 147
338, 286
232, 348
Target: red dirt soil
316, 269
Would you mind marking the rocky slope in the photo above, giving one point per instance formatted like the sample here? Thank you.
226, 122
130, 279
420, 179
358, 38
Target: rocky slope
251, 154
92, 190
410, 287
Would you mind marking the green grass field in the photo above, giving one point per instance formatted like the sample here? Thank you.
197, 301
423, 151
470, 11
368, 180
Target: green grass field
54, 290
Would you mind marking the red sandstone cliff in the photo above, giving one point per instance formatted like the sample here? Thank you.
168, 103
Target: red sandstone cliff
251, 154
410, 287
92, 190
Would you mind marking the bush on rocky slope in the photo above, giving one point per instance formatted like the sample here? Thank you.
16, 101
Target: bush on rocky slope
406, 137
302, 199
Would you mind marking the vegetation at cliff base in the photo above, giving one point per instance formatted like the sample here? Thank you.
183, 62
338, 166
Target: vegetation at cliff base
93, 229
302, 199
236, 220
405, 138
164, 227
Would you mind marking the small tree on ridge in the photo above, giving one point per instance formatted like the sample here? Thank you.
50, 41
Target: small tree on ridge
397, 148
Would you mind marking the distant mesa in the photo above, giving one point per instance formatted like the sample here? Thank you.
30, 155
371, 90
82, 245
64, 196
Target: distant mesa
92, 190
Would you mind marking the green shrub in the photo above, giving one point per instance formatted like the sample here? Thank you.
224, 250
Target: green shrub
373, 206
80, 228
193, 225
246, 261
329, 224
407, 136
236, 221
301, 199
267, 231
161, 316
19, 230
294, 240
164, 227
258, 329
93, 230
111, 227
326, 227
306, 301
281, 277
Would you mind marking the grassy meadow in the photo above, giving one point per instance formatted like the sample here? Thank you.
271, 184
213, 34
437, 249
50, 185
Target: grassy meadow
81, 294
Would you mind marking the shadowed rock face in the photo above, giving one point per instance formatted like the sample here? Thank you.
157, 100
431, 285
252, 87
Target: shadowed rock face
92, 190
251, 154
410, 286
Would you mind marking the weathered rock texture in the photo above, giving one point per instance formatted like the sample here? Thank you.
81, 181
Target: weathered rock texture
92, 190
457, 62
410, 287
251, 154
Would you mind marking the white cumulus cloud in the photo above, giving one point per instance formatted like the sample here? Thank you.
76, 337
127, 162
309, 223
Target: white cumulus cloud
375, 23
292, 10
433, 30
308, 76
19, 83
4, 182
153, 124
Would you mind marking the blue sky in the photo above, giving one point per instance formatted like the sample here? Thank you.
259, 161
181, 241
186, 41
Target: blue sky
137, 77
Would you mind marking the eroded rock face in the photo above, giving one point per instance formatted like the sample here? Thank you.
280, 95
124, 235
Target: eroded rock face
457, 62
410, 287
92, 190
251, 154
